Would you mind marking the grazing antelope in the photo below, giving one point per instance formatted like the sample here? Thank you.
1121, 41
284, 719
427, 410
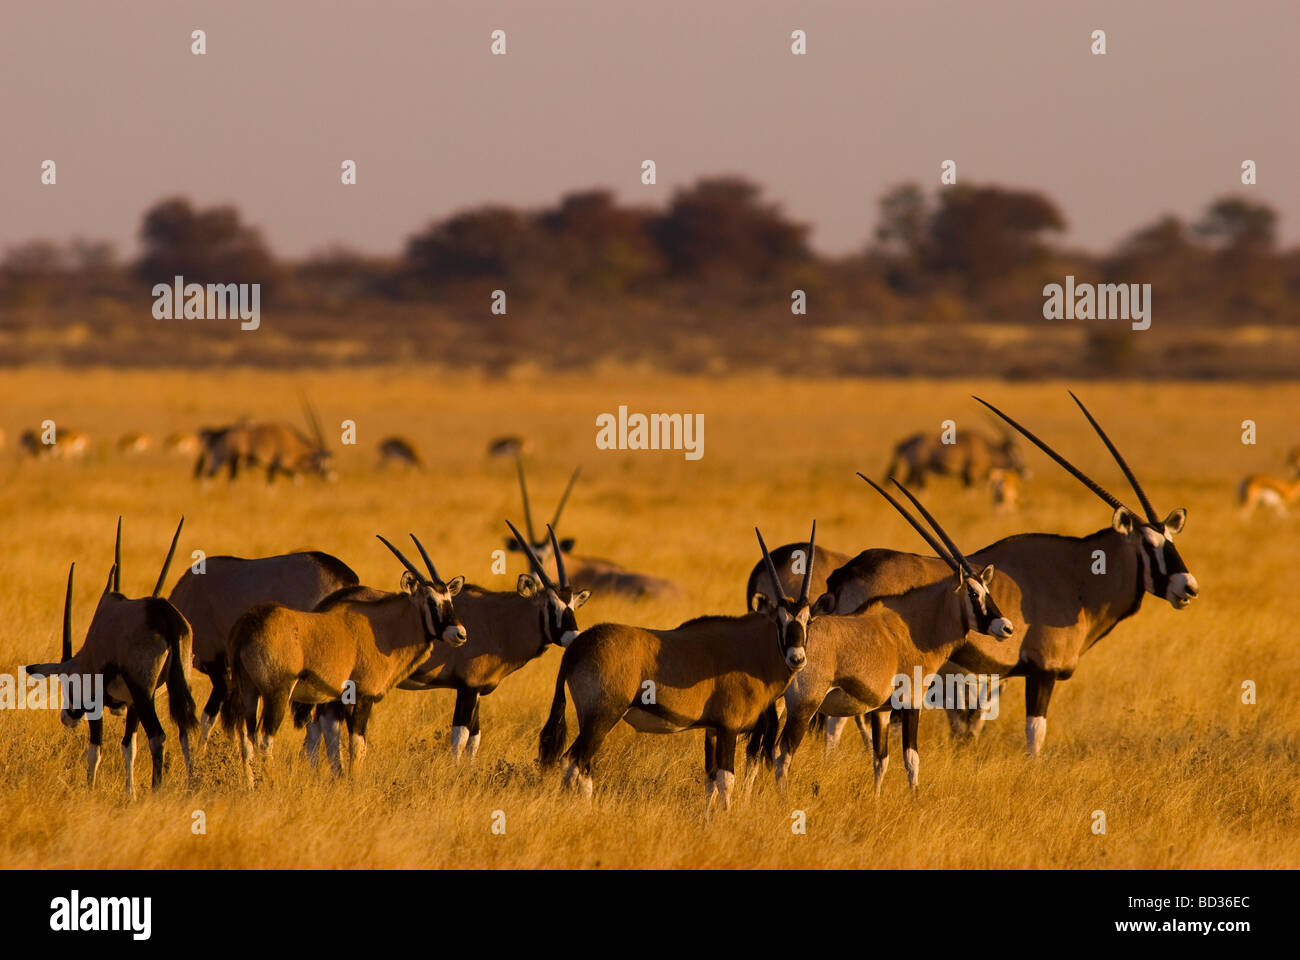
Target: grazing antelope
348, 650
716, 673
971, 456
1005, 487
67, 445
1077, 589
183, 443
588, 573
400, 451
277, 447
229, 586
137, 646
857, 658
507, 629
511, 446
134, 442
1261, 490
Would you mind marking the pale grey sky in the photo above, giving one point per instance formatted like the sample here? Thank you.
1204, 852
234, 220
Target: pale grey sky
587, 90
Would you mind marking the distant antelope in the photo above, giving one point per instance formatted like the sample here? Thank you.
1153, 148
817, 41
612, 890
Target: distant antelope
1077, 589
137, 646
134, 442
591, 573
715, 673
1261, 490
68, 444
277, 447
857, 658
400, 451
230, 586
347, 649
511, 446
507, 629
1005, 487
971, 456
184, 443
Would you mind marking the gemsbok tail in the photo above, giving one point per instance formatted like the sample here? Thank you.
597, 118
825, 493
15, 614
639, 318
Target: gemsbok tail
553, 734
176, 629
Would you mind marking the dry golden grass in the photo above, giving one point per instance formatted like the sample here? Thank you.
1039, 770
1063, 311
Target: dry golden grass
1151, 729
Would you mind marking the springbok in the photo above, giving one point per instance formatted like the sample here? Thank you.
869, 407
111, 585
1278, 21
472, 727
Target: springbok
507, 629
277, 447
134, 442
229, 586
68, 444
714, 672
509, 446
1262, 490
349, 650
970, 456
137, 646
183, 443
400, 451
587, 573
858, 658
1077, 589
1005, 488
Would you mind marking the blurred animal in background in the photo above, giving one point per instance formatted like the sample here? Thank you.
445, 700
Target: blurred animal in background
1293, 461
276, 447
56, 443
512, 446
400, 451
183, 443
134, 442
1005, 487
972, 456
1259, 489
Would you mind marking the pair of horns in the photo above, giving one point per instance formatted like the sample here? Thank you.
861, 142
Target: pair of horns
807, 570
528, 513
310, 412
947, 551
424, 555
115, 575
555, 548
1078, 474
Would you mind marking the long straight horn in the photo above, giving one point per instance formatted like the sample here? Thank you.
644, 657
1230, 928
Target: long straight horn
771, 568
808, 568
67, 618
406, 563
532, 557
559, 559
935, 545
528, 512
1070, 468
555, 521
313, 422
424, 554
171, 552
1123, 465
117, 559
943, 534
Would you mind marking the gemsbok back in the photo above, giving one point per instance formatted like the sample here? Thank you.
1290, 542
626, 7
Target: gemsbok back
715, 672
137, 646
350, 650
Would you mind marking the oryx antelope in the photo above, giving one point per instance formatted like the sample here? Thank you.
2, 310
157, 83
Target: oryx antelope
509, 446
229, 586
715, 672
277, 447
507, 629
349, 650
137, 646
587, 573
971, 456
857, 658
1076, 589
400, 451
1260, 490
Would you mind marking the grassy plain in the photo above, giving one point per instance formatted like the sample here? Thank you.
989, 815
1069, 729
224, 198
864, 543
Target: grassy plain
1151, 730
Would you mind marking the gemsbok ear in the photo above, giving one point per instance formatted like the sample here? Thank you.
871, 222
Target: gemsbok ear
759, 603
1176, 520
1123, 521
825, 605
579, 599
408, 582
513, 545
986, 575
454, 585
527, 586
566, 545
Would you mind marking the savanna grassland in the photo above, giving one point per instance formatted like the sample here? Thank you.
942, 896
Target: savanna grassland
1151, 730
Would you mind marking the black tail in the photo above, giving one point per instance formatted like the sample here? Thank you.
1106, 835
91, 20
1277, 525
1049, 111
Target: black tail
176, 629
554, 733
761, 744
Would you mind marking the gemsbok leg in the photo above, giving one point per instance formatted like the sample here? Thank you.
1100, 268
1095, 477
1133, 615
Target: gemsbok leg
92, 750
128, 748
464, 724
880, 745
1038, 693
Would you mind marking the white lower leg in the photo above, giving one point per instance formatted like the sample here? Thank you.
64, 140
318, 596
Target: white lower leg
472, 747
128, 758
1035, 734
459, 740
726, 780
205, 727
834, 727
912, 760
92, 763
330, 734
358, 745
782, 770
311, 745
880, 765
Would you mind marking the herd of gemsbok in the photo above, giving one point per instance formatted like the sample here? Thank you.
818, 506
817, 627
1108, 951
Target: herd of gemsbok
826, 636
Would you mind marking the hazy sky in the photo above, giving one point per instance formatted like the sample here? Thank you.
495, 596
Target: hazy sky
288, 90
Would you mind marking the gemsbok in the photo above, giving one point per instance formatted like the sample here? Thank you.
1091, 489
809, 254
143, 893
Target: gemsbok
399, 451
1261, 490
971, 456
276, 447
227, 587
349, 650
587, 573
1077, 589
137, 646
507, 630
859, 658
715, 672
